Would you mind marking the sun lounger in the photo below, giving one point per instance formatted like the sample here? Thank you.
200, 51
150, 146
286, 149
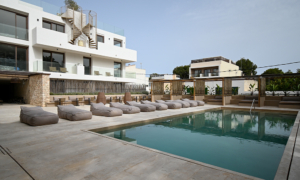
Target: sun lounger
99, 109
192, 103
143, 107
171, 105
159, 106
36, 116
183, 103
73, 114
199, 103
125, 108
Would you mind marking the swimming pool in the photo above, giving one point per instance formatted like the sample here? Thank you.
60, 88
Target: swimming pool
235, 140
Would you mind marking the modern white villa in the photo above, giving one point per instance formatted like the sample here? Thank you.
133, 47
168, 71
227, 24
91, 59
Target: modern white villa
66, 46
214, 67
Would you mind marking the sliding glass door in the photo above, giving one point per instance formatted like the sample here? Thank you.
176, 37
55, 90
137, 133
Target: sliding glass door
87, 66
117, 69
13, 58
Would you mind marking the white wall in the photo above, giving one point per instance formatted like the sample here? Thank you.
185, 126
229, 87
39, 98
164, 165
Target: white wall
140, 74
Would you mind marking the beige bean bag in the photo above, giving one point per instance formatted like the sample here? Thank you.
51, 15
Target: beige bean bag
159, 106
183, 103
143, 107
125, 108
199, 103
36, 116
99, 109
171, 105
72, 113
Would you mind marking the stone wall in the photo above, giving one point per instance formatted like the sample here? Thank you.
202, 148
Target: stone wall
39, 88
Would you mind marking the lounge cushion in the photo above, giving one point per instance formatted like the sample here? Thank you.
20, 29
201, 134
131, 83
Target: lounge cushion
159, 106
199, 103
125, 108
289, 102
192, 103
73, 114
171, 105
143, 107
36, 116
183, 104
99, 109
290, 98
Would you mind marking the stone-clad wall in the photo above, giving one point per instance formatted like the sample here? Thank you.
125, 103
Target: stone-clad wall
39, 88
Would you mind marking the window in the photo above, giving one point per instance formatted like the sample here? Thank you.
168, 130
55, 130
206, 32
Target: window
118, 43
13, 25
53, 61
53, 26
206, 72
13, 58
117, 69
87, 66
100, 38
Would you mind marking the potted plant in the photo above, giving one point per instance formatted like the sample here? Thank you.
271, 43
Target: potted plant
252, 88
272, 87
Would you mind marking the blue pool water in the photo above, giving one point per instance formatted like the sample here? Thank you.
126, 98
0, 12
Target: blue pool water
235, 140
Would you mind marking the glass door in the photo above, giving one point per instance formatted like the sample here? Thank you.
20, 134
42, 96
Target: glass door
87, 66
118, 69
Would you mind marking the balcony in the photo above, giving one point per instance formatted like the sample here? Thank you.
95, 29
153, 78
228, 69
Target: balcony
13, 32
46, 38
74, 71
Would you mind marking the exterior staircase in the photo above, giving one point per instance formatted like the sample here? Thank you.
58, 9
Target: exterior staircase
86, 31
76, 31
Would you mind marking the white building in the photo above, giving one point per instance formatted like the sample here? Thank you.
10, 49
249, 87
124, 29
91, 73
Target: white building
219, 66
68, 44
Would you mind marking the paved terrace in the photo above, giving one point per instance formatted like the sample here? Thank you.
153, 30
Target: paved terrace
68, 151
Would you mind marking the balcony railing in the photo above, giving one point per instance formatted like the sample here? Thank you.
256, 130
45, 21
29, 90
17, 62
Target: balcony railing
131, 75
12, 65
13, 31
197, 75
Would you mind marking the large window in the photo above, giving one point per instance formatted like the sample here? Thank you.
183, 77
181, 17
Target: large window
53, 26
100, 38
117, 69
13, 25
53, 61
87, 66
13, 58
206, 72
118, 43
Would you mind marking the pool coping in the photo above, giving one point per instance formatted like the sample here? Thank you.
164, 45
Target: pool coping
282, 171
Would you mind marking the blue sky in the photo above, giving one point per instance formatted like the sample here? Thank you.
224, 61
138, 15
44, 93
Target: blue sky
171, 33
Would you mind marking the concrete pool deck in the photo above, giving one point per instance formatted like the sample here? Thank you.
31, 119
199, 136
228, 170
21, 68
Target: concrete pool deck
68, 151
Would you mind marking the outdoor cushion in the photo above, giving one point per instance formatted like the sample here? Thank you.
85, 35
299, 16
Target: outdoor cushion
73, 114
171, 105
192, 103
36, 116
72, 98
143, 107
125, 108
159, 106
290, 98
289, 102
251, 97
100, 109
183, 104
199, 103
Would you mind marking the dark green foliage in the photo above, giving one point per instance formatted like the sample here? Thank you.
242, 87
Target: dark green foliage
72, 4
182, 71
247, 66
273, 71
152, 75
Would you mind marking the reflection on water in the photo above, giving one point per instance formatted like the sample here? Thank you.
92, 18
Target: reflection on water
250, 144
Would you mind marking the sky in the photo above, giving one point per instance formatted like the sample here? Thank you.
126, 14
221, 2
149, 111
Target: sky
170, 33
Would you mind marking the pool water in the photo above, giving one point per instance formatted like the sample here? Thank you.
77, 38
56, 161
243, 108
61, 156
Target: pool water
235, 140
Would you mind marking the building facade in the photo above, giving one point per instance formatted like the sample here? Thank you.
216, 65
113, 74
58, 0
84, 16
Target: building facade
218, 66
71, 46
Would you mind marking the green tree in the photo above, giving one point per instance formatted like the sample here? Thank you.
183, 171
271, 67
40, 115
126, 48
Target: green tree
72, 4
298, 70
273, 71
182, 71
153, 75
247, 66
288, 72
